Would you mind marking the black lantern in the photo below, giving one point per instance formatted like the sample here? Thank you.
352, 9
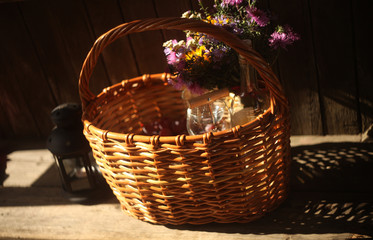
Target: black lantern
71, 150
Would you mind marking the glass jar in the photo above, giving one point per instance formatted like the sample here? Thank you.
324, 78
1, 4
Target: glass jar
208, 112
251, 101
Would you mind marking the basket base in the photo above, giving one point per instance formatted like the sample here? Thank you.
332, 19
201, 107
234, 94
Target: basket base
203, 219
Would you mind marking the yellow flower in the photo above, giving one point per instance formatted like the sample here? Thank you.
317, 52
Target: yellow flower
218, 21
199, 52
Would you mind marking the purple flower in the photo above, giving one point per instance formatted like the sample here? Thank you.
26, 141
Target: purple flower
231, 2
283, 37
175, 52
220, 20
228, 24
258, 16
178, 83
189, 40
201, 40
219, 53
195, 88
172, 58
180, 65
167, 51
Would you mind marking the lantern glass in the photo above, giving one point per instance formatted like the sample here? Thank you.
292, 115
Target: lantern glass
69, 164
76, 173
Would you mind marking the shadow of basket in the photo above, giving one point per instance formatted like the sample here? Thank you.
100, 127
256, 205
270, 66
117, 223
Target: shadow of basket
332, 189
333, 167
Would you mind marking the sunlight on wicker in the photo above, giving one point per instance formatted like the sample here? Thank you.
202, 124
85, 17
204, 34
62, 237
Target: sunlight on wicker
237, 175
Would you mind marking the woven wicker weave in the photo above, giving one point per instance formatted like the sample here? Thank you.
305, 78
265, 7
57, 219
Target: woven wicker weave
236, 175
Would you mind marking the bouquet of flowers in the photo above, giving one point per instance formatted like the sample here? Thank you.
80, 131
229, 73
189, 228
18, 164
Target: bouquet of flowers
201, 63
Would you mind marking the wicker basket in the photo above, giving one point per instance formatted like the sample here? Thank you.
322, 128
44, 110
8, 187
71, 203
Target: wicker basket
236, 175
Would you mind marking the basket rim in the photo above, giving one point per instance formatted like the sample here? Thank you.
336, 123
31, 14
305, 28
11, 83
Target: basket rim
157, 139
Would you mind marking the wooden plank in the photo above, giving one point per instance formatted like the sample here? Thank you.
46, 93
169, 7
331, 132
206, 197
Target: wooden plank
61, 36
79, 38
172, 8
67, 25
147, 46
206, 3
332, 36
6, 130
297, 72
363, 19
28, 99
51, 47
118, 57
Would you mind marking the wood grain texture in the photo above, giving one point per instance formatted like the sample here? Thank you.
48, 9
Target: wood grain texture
6, 130
62, 37
119, 58
332, 36
363, 19
297, 69
178, 8
23, 79
146, 46
327, 75
49, 42
79, 37
206, 3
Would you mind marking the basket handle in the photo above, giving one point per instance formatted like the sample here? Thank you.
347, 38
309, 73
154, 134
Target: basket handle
194, 25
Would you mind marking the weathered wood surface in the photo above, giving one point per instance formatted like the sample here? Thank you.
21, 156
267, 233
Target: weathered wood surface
23, 79
297, 69
119, 57
327, 75
333, 38
362, 19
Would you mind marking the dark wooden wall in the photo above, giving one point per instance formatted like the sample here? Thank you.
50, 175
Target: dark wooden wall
327, 75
